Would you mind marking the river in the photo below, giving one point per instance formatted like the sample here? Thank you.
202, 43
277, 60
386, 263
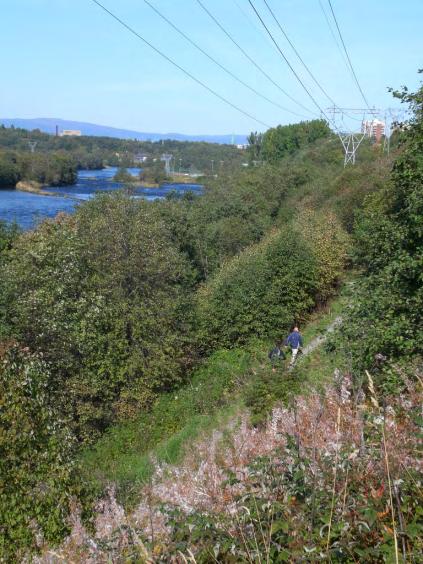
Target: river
28, 209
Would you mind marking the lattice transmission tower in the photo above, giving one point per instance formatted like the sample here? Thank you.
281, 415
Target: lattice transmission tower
351, 140
166, 157
393, 119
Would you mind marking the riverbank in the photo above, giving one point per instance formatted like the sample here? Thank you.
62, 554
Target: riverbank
171, 179
27, 204
34, 187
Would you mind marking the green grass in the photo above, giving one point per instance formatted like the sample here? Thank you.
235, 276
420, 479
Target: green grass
228, 381
311, 372
124, 454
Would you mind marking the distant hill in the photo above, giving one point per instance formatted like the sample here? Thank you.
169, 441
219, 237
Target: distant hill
48, 125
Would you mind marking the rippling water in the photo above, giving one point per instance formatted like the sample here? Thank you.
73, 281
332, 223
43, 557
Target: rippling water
28, 209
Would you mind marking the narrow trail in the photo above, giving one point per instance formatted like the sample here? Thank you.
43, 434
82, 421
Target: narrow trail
318, 341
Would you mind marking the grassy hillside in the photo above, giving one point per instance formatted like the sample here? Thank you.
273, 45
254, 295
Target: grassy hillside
222, 387
137, 344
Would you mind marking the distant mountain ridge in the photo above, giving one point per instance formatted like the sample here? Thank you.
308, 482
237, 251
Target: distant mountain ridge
48, 125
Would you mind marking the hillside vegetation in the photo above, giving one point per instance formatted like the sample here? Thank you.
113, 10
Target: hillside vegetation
130, 328
56, 160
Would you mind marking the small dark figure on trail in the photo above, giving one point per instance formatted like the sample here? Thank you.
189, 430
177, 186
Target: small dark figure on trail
276, 355
295, 341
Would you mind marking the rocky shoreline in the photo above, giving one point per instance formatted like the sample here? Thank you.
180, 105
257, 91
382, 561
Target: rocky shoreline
33, 187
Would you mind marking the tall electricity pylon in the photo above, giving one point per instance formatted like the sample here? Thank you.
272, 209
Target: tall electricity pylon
166, 158
393, 118
350, 143
350, 140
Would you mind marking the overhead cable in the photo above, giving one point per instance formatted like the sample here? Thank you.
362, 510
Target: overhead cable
310, 95
298, 54
348, 57
335, 38
229, 36
302, 61
249, 19
175, 64
230, 73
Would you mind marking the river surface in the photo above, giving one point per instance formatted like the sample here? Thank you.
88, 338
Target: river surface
28, 209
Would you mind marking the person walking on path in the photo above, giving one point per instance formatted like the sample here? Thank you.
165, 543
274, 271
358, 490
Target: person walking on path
295, 341
276, 355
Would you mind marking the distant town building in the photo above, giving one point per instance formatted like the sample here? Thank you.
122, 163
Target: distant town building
71, 133
373, 128
242, 146
141, 157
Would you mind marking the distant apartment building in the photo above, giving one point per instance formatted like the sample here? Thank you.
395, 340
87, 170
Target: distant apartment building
242, 146
373, 128
71, 133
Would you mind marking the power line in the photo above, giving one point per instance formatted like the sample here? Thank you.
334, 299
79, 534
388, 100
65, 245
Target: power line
171, 61
346, 53
230, 73
250, 21
335, 38
229, 36
301, 59
287, 61
298, 54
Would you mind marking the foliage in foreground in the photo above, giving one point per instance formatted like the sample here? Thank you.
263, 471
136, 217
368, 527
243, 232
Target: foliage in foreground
386, 315
333, 475
122, 455
38, 476
344, 486
108, 313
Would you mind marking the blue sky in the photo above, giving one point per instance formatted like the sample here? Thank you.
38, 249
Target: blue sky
68, 59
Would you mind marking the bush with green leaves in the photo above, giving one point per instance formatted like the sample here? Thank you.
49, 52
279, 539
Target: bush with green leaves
385, 317
9, 173
329, 244
273, 284
38, 476
103, 295
277, 142
8, 234
260, 292
123, 175
234, 212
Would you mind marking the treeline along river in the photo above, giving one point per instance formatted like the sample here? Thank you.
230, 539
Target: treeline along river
28, 209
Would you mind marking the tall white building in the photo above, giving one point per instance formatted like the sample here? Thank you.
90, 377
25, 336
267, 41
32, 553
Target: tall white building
373, 128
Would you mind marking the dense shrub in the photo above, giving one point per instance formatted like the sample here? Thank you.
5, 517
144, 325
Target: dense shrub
259, 292
9, 174
37, 472
348, 191
283, 140
8, 233
234, 212
386, 314
273, 284
108, 312
329, 244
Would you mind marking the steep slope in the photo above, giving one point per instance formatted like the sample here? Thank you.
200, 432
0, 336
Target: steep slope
288, 488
